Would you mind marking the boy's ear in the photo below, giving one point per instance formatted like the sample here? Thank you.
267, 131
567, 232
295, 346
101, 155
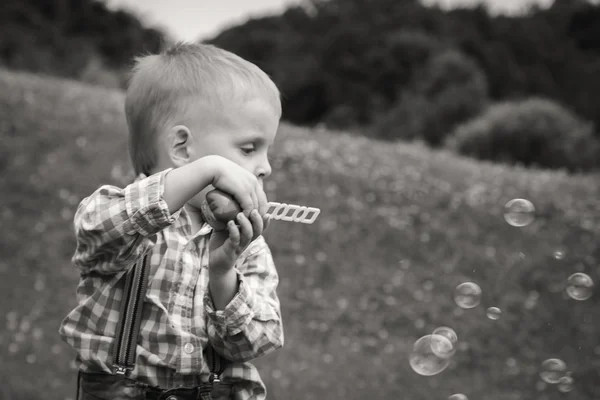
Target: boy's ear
179, 142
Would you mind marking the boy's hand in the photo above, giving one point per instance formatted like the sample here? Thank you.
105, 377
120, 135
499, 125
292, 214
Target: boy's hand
190, 182
227, 245
244, 186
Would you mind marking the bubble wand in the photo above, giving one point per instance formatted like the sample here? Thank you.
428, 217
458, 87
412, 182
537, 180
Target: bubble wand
218, 208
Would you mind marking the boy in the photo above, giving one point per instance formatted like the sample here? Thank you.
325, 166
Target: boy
199, 118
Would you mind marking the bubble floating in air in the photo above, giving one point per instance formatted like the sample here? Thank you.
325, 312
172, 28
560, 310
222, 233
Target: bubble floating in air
443, 342
424, 361
552, 370
580, 286
519, 212
467, 295
565, 384
493, 313
458, 396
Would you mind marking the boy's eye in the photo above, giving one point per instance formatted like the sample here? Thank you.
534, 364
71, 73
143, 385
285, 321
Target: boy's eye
248, 149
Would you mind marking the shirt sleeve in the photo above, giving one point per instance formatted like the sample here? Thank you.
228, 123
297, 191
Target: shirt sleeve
114, 226
250, 325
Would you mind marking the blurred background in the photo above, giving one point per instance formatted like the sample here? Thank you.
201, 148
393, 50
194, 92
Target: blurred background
452, 146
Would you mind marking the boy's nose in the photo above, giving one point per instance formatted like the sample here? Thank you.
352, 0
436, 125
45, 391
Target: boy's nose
264, 170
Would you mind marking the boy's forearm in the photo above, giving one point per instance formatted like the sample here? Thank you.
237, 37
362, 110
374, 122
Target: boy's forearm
183, 183
223, 287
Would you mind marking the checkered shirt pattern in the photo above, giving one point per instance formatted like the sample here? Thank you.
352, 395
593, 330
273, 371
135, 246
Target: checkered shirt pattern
114, 228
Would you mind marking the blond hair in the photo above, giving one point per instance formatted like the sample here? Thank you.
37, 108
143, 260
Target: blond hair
162, 85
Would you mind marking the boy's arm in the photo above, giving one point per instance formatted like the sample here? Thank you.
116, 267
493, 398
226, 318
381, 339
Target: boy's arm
113, 225
250, 325
185, 182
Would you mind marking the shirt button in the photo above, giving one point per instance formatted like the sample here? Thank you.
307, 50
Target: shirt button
188, 348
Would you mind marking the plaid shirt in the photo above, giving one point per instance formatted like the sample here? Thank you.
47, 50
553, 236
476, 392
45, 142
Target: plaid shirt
114, 227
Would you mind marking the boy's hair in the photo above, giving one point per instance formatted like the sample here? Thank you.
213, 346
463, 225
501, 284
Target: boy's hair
162, 85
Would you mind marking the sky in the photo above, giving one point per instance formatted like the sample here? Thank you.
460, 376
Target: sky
191, 20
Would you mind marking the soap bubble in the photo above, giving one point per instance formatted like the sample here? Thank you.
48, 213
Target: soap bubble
458, 396
519, 212
467, 295
580, 286
443, 340
493, 313
552, 370
559, 254
565, 384
424, 361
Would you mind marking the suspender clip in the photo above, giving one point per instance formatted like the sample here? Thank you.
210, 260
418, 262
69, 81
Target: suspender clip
120, 370
214, 379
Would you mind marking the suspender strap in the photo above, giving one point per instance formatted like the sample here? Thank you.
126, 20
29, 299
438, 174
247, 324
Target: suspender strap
216, 362
128, 327
130, 317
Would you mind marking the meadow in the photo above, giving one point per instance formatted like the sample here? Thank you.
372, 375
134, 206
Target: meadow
400, 227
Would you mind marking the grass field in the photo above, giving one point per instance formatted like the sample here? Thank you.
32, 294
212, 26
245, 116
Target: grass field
400, 227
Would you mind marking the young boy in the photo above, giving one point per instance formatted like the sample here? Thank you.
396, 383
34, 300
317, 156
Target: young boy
199, 118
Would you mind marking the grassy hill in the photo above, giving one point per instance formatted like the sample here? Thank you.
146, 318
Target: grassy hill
400, 227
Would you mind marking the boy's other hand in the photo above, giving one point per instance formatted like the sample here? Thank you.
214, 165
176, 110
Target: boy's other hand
228, 244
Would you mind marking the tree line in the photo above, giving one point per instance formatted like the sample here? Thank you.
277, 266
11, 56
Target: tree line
393, 69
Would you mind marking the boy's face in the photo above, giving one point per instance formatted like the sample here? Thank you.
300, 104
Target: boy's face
242, 133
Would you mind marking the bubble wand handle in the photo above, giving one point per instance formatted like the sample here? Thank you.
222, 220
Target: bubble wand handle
292, 213
218, 208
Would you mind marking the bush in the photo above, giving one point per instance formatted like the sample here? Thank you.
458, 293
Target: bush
532, 132
449, 90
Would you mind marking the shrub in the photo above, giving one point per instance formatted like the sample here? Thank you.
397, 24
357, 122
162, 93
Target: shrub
403, 121
449, 90
533, 132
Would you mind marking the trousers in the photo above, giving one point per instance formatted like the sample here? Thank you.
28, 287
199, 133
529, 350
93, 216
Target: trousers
100, 386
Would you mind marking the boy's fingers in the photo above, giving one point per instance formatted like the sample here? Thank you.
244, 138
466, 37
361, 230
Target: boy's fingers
254, 203
257, 224
234, 233
246, 202
263, 203
245, 230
